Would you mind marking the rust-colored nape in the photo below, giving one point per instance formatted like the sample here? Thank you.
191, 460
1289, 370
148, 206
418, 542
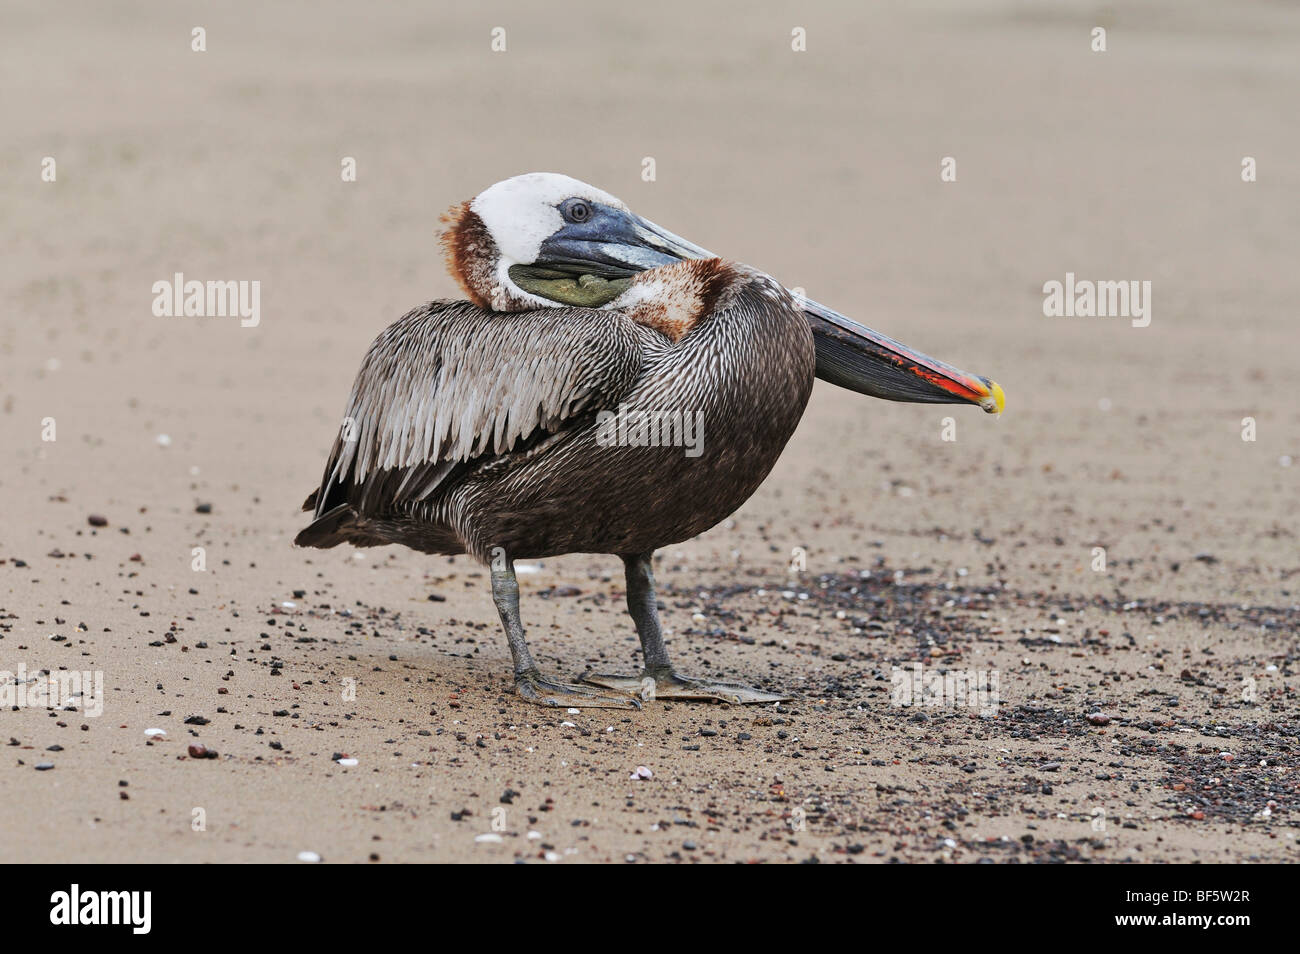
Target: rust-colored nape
469, 252
673, 298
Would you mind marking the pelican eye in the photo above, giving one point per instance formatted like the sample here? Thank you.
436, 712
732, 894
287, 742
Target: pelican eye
576, 210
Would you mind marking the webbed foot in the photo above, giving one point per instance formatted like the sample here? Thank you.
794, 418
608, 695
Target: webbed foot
667, 684
544, 691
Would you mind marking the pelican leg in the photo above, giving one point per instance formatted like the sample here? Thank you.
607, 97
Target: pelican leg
529, 681
658, 680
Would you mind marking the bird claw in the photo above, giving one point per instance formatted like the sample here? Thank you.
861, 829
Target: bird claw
666, 684
544, 691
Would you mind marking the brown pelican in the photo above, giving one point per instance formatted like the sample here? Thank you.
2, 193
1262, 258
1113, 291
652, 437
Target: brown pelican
514, 425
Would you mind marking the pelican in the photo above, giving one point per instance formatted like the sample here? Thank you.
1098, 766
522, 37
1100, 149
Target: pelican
512, 425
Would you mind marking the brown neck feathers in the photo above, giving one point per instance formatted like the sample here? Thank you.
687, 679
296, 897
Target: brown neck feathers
469, 252
672, 299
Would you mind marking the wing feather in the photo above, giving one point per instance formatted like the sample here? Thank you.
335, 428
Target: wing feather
450, 383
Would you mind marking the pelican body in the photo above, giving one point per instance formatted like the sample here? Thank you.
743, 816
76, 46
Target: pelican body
549, 413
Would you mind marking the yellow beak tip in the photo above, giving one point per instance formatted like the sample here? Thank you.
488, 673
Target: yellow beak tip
996, 401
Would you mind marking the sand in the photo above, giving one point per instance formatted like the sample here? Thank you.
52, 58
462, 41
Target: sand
822, 167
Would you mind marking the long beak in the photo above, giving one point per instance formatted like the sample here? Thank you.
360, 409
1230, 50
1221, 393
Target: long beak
666, 243
615, 249
848, 354
855, 357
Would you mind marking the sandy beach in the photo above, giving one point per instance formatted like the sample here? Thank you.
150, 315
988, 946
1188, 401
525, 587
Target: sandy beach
359, 701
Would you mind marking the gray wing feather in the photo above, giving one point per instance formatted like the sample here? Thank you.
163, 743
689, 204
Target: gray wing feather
450, 383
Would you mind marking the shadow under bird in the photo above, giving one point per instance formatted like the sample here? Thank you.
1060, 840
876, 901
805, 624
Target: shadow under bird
547, 414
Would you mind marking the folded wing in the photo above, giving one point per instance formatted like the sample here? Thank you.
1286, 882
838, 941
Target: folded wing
451, 383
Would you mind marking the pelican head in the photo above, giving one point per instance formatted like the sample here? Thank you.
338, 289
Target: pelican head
545, 240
